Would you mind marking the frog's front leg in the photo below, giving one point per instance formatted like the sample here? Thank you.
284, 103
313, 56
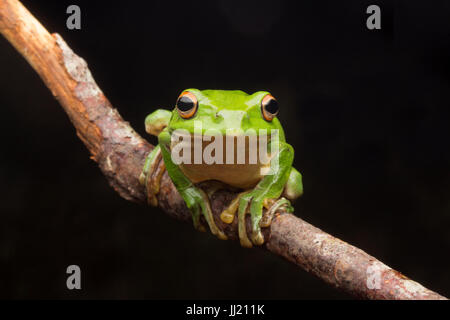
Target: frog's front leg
154, 167
196, 199
269, 188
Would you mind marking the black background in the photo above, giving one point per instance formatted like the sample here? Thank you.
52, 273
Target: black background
367, 113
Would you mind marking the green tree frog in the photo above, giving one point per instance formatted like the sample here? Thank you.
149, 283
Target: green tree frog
235, 116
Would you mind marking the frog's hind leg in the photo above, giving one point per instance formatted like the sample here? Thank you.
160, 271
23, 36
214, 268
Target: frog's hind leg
292, 190
294, 185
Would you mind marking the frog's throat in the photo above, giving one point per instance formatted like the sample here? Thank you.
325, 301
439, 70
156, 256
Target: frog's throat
241, 164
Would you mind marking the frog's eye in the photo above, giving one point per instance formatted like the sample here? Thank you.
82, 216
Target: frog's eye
187, 105
269, 107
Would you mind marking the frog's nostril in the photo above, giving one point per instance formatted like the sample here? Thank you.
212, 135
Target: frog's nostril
219, 116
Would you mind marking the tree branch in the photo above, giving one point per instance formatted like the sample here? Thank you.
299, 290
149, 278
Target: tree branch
120, 153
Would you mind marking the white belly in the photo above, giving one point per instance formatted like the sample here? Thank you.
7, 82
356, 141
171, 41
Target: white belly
239, 166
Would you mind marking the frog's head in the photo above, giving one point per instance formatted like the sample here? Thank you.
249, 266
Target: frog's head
231, 112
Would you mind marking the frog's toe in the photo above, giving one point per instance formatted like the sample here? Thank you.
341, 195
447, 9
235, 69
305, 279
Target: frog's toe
221, 235
243, 206
151, 175
257, 237
207, 213
272, 208
196, 213
256, 214
228, 214
198, 203
156, 183
217, 232
199, 226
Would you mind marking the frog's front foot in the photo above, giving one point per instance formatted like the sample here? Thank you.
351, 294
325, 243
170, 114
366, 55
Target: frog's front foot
198, 203
250, 201
253, 203
151, 175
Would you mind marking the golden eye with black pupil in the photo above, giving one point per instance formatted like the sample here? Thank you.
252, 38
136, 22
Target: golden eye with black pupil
269, 107
187, 105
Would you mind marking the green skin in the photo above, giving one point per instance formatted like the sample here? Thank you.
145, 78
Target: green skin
223, 110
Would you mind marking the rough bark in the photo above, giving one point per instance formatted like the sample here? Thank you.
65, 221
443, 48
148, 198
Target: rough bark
120, 153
